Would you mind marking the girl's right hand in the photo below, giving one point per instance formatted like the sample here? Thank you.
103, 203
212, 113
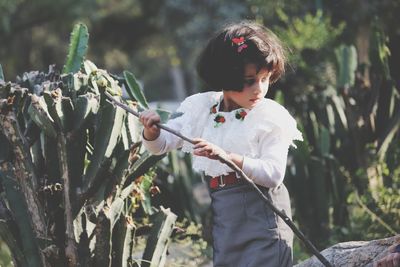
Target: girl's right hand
149, 119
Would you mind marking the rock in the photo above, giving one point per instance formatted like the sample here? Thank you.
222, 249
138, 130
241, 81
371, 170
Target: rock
354, 253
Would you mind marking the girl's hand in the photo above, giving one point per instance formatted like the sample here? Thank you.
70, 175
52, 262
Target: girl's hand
205, 149
149, 119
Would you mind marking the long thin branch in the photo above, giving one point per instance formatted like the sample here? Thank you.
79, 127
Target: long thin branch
239, 171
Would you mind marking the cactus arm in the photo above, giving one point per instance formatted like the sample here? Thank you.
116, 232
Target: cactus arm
134, 91
339, 106
89, 66
5, 151
9, 232
346, 57
76, 152
1, 73
102, 249
40, 115
107, 136
49, 152
84, 106
24, 170
141, 166
8, 238
388, 134
71, 249
23, 219
158, 240
123, 241
54, 106
129, 242
77, 48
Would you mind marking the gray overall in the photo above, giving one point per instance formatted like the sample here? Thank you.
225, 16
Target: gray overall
246, 233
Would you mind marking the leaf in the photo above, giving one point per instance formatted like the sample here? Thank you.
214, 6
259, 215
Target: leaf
77, 48
134, 90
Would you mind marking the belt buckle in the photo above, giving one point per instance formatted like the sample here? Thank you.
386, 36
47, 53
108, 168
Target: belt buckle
221, 181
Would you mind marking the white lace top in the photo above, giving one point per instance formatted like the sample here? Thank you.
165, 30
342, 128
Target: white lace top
261, 135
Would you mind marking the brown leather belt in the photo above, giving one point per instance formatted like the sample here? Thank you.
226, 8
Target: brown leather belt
221, 181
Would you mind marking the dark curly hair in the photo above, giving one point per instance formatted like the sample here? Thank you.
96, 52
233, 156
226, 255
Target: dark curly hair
221, 64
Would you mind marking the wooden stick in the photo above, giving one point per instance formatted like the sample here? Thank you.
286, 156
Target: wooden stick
239, 171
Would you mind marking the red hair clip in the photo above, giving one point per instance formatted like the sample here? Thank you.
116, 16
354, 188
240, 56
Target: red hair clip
240, 42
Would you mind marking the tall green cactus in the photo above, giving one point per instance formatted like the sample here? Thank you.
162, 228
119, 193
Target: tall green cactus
346, 57
77, 49
67, 167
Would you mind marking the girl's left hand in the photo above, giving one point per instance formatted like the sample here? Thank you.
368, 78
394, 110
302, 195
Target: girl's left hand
205, 149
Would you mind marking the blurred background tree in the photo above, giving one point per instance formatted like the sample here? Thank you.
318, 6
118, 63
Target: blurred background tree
342, 83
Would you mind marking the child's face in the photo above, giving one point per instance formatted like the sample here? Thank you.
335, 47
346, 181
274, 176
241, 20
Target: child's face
255, 88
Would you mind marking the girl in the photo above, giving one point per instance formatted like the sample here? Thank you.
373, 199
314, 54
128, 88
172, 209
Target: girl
254, 132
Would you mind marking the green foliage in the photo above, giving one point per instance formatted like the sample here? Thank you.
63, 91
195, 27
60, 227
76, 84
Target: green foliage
374, 217
345, 151
311, 32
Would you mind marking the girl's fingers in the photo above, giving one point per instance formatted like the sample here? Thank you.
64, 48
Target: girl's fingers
198, 140
150, 123
200, 143
149, 118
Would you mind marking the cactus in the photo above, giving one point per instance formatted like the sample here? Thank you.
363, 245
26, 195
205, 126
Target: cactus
77, 49
69, 165
1, 73
29, 246
346, 57
134, 91
156, 249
